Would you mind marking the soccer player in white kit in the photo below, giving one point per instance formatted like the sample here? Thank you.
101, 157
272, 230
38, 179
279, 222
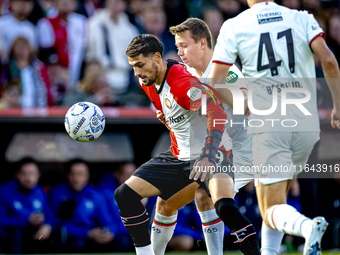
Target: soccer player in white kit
276, 43
193, 40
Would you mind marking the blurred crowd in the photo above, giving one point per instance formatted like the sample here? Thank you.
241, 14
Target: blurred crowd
59, 52
78, 215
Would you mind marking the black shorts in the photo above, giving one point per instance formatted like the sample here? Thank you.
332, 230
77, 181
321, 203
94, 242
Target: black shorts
168, 174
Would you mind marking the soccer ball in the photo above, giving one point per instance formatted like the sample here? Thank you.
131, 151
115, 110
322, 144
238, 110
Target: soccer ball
84, 122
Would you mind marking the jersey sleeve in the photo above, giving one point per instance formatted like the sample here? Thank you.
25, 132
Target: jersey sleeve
188, 92
236, 77
225, 51
313, 29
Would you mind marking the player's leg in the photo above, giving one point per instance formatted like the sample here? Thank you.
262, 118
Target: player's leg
133, 213
163, 176
221, 188
272, 191
212, 225
165, 218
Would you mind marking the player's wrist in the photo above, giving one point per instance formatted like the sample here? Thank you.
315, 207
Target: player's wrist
212, 143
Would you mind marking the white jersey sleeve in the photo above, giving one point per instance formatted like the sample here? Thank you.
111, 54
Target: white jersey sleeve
313, 28
226, 47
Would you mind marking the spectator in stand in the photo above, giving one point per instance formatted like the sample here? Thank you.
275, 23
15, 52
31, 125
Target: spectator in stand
59, 79
26, 219
292, 4
329, 197
334, 35
108, 184
92, 88
229, 8
81, 212
11, 96
312, 6
64, 38
110, 32
25, 69
88, 7
42, 8
154, 22
135, 10
214, 20
16, 24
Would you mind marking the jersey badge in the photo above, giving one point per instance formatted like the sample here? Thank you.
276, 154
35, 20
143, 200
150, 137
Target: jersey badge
168, 103
194, 93
232, 77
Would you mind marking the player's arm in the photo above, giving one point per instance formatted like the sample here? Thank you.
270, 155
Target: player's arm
219, 74
331, 72
215, 129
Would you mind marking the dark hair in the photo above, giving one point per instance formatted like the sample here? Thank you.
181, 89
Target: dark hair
198, 30
69, 164
24, 161
144, 44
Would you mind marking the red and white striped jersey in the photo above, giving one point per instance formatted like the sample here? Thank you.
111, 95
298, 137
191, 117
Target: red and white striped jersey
179, 98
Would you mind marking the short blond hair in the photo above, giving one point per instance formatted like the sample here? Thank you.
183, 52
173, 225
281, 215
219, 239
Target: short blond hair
198, 30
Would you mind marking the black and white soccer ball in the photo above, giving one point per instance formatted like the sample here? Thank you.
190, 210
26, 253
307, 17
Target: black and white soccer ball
84, 122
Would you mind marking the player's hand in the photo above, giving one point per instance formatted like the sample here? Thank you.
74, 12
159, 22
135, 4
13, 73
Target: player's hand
43, 232
335, 118
36, 219
203, 168
160, 116
100, 235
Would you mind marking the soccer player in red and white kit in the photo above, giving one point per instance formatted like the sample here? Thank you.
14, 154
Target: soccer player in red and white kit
195, 141
194, 42
276, 46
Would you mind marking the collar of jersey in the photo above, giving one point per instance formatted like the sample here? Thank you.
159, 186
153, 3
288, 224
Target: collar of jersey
170, 63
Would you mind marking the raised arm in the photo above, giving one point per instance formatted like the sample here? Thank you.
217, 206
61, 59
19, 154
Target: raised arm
331, 71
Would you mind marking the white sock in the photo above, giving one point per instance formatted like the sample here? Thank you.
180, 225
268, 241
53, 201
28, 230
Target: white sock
287, 219
213, 229
161, 233
270, 240
146, 250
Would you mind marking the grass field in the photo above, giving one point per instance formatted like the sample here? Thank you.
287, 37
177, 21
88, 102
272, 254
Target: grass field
201, 253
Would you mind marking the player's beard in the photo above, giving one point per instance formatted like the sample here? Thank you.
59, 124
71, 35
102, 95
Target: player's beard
153, 76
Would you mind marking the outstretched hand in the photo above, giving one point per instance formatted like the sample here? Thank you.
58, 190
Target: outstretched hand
203, 168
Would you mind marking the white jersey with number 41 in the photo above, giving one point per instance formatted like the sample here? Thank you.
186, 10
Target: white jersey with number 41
273, 43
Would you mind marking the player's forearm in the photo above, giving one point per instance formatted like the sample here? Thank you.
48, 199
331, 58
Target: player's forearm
216, 117
332, 74
226, 96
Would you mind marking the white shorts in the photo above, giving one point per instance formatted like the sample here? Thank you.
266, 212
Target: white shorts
243, 158
278, 156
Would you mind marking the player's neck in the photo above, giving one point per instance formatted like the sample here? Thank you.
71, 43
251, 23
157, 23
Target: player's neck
162, 71
204, 62
251, 3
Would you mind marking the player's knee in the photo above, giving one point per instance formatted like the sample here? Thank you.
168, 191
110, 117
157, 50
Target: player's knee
226, 207
126, 197
165, 208
203, 201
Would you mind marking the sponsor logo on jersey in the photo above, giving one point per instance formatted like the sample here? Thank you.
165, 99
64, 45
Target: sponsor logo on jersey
194, 93
168, 103
269, 17
232, 77
173, 120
